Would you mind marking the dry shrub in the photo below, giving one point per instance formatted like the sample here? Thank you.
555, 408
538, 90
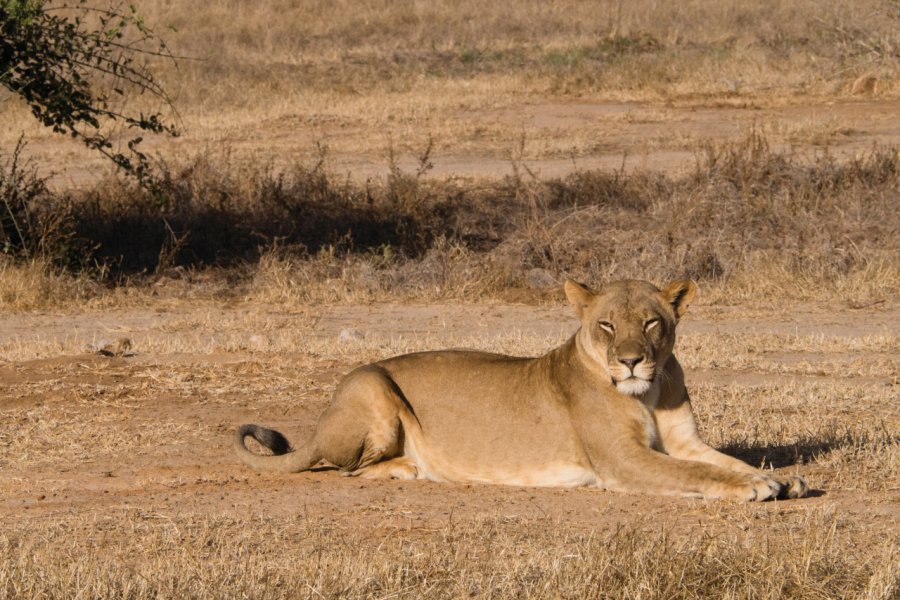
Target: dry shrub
748, 219
765, 222
33, 223
214, 211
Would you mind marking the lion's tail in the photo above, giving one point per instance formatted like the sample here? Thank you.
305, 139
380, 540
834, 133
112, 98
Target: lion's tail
284, 460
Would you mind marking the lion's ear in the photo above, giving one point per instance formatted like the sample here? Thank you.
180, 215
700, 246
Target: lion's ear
579, 295
679, 294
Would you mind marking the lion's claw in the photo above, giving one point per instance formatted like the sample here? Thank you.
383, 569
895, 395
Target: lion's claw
794, 487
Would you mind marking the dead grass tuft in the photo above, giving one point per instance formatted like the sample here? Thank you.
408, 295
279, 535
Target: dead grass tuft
38, 284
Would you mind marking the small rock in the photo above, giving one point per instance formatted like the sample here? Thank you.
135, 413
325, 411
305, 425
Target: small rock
350, 334
259, 342
119, 347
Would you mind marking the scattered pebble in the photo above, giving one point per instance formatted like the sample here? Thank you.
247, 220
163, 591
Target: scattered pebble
259, 342
347, 335
119, 347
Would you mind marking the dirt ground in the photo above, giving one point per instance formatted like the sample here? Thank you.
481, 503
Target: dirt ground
85, 434
549, 138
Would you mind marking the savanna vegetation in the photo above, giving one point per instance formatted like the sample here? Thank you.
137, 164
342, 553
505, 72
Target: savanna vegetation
359, 179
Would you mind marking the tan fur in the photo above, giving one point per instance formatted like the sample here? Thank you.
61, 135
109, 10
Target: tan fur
608, 409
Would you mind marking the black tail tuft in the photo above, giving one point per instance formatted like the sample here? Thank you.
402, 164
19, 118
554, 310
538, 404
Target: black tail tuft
269, 438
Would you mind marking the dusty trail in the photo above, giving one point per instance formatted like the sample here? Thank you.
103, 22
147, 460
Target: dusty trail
550, 138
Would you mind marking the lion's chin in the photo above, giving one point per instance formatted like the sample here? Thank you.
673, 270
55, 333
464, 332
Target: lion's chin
633, 386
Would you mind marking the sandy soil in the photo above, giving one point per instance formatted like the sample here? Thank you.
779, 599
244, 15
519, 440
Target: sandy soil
549, 138
152, 431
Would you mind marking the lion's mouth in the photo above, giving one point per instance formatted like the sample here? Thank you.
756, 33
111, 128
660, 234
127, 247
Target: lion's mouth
618, 380
632, 385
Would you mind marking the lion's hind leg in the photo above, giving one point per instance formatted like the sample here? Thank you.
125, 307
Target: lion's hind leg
402, 467
362, 427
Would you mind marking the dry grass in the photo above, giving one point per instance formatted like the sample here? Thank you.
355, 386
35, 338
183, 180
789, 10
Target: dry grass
492, 558
322, 55
49, 435
38, 284
875, 355
816, 132
385, 80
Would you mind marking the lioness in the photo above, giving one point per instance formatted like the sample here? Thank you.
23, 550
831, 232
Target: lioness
608, 409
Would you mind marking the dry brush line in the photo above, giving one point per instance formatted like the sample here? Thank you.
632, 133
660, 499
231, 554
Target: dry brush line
751, 221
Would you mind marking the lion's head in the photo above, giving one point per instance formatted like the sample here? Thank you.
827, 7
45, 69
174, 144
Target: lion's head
628, 328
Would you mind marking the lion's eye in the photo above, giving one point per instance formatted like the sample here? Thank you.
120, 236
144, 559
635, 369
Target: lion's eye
607, 326
651, 324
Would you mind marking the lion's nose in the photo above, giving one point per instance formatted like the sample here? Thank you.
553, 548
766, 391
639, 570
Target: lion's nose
631, 361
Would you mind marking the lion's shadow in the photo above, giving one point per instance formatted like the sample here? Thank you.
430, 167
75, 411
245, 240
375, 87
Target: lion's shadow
786, 455
802, 451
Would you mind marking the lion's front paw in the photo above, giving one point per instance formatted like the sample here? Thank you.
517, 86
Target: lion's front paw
767, 487
793, 487
763, 487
